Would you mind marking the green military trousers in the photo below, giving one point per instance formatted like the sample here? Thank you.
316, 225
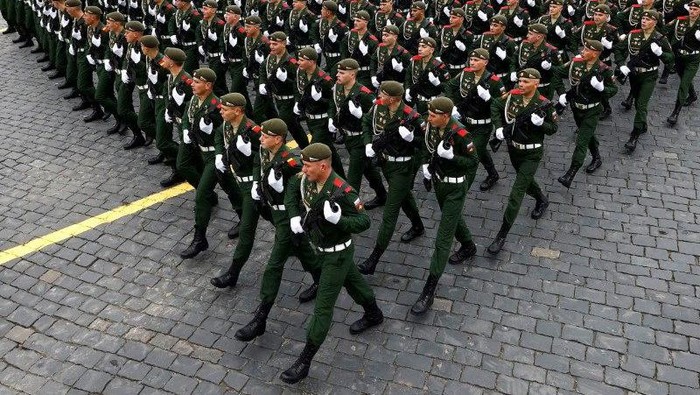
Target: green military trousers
164, 131
525, 163
359, 165
285, 110
641, 88
189, 162
84, 82
587, 122
125, 105
480, 137
146, 116
247, 225
208, 178
239, 84
400, 177
320, 134
71, 68
687, 68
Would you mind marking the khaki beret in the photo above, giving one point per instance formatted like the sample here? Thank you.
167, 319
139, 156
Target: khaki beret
537, 28
135, 26
694, 3
500, 19
418, 5
362, 14
556, 2
653, 14
429, 41
234, 9
441, 105
91, 9
274, 127
480, 53
529, 73
233, 100
175, 54
348, 64
278, 36
73, 3
210, 4
253, 20
458, 12
330, 6
604, 8
150, 41
392, 88
315, 152
205, 74
116, 16
308, 53
594, 45
391, 29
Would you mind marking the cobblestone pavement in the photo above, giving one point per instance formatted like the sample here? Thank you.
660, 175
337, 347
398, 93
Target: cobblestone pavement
598, 297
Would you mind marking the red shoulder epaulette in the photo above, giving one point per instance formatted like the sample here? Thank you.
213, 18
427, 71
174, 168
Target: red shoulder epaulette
462, 132
347, 189
354, 30
550, 46
214, 101
589, 23
505, 7
365, 89
489, 6
285, 154
265, 40
220, 22
407, 109
516, 91
189, 81
373, 37
169, 6
292, 61
542, 97
257, 129
416, 57
183, 77
446, 26
241, 29
636, 5
195, 12
440, 66
494, 77
470, 2
468, 69
636, 31
337, 183
398, 15
378, 102
682, 18
341, 24
382, 45
292, 162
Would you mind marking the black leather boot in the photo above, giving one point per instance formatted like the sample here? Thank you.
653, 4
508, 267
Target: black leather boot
673, 118
465, 252
256, 327
116, 128
490, 180
663, 80
173, 179
568, 177
309, 294
540, 206
136, 141
497, 243
21, 38
39, 50
425, 300
596, 162
229, 278
631, 144
373, 316
234, 231
28, 43
379, 199
199, 244
56, 74
106, 116
692, 97
148, 141
300, 368
9, 30
415, 231
368, 266
154, 160
96, 114
48, 67
627, 103
84, 105
606, 112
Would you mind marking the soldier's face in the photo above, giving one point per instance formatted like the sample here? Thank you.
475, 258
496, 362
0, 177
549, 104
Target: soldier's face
555, 9
227, 113
437, 120
251, 30
277, 47
496, 28
344, 76
269, 142
477, 64
360, 24
456, 20
417, 13
91, 19
589, 54
200, 87
306, 64
325, 13
648, 23
528, 85
298, 5
533, 37
694, 12
132, 37
425, 51
385, 7
149, 52
232, 18
388, 38
314, 170
647, 3
512, 2
208, 12
599, 18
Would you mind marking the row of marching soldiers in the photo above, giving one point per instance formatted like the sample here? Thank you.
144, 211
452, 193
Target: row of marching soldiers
408, 113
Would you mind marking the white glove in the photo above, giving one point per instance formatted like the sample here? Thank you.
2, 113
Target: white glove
254, 191
433, 79
460, 45
364, 49
295, 225
245, 73
219, 163
108, 65
133, 4
342, 9
536, 119
446, 11
559, 31
149, 94
281, 74
77, 34
562, 100
407, 95
262, 89
296, 109
258, 57
531, 3
96, 41
513, 76
426, 172
125, 77
597, 84
254, 13
232, 40
222, 58
332, 36
275, 183
331, 215
90, 59
625, 70
213, 36
186, 137
242, 146
396, 65
179, 98
607, 44
356, 111
484, 93
185, 25
406, 134
482, 15
317, 47
279, 21
455, 114
315, 93
173, 39
546, 64
160, 18
331, 126
423, 33
369, 152
501, 53
570, 9
687, 7
166, 116
656, 49
697, 34
499, 134
303, 26
135, 55
375, 82
118, 50
518, 21
200, 49
448, 153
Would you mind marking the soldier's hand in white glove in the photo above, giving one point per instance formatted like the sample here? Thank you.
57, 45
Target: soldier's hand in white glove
331, 213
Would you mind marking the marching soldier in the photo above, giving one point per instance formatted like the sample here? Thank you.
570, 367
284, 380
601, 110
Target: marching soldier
360, 44
255, 51
449, 164
339, 214
455, 42
74, 34
591, 80
201, 117
276, 173
302, 28
385, 16
164, 12
523, 117
472, 92
685, 35
390, 60
183, 32
176, 94
477, 14
631, 17
425, 76
535, 8
355, 6
646, 48
210, 36
331, 33
393, 134
108, 65
559, 30
233, 45
351, 101
133, 75
61, 29
517, 18
535, 52
501, 48
95, 41
416, 27
440, 11
273, 13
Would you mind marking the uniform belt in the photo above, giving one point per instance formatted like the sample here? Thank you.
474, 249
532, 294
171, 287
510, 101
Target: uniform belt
278, 207
316, 116
332, 54
452, 180
525, 146
158, 97
99, 61
397, 158
337, 247
244, 179
189, 44
542, 85
501, 75
235, 60
517, 39
581, 106
285, 97
688, 53
456, 66
144, 86
79, 50
207, 149
212, 54
352, 134
478, 121
364, 68
423, 98
561, 51
645, 69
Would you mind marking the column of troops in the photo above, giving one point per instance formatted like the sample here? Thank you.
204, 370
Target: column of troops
405, 87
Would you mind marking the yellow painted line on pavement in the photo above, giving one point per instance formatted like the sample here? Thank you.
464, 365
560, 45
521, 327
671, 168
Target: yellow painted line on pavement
91, 223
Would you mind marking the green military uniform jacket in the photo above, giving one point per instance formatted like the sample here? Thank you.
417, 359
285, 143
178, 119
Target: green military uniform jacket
463, 91
340, 111
380, 20
512, 28
161, 28
417, 77
314, 93
115, 52
380, 121
331, 34
607, 34
184, 25
412, 31
268, 74
448, 49
352, 47
472, 21
682, 35
255, 51
273, 14
638, 47
506, 108
201, 119
78, 38
498, 46
210, 36
177, 91
566, 43
225, 143
381, 63
233, 42
529, 55
295, 21
456, 136
96, 43
630, 18
156, 77
579, 74
283, 161
134, 63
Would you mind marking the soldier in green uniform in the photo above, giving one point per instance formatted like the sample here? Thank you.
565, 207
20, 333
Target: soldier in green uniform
477, 14
425, 76
472, 92
517, 18
256, 51
351, 101
133, 76
440, 11
631, 17
646, 48
274, 173
94, 49
108, 65
454, 42
183, 32
73, 14
390, 60
156, 79
210, 36
233, 46
685, 36
176, 94
331, 32
356, 6
338, 213
79, 45
523, 117
501, 48
385, 16
360, 44
302, 28
393, 135
196, 161
535, 52
416, 27
164, 11
273, 13
559, 30
449, 164
60, 37
591, 80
